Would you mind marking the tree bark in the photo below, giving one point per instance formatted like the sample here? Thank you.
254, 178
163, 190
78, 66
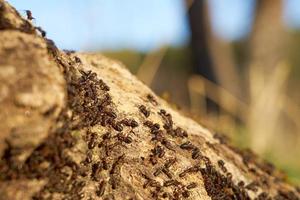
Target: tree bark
80, 126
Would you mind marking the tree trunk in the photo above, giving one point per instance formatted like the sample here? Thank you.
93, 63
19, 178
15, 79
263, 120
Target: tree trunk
199, 44
80, 126
268, 74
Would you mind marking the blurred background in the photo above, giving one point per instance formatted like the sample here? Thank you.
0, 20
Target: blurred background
234, 65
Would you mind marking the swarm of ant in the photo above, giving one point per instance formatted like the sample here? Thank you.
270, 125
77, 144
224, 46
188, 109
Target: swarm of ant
90, 104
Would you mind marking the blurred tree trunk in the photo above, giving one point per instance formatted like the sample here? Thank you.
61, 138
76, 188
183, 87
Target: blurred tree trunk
213, 57
203, 65
268, 38
80, 126
199, 40
267, 73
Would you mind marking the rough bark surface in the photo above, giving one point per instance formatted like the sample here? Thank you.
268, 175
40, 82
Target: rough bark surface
80, 126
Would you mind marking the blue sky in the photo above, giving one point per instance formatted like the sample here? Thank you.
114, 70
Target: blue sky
231, 19
138, 24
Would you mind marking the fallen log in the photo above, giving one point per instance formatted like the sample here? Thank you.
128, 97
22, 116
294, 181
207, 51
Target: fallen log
80, 126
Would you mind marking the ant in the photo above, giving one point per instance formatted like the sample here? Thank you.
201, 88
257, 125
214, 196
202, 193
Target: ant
189, 170
68, 52
43, 33
92, 142
117, 162
191, 185
158, 150
167, 172
117, 126
167, 144
187, 146
101, 188
113, 182
130, 122
196, 153
96, 168
170, 162
158, 171
125, 139
222, 165
170, 182
89, 157
144, 110
29, 15
180, 132
152, 99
